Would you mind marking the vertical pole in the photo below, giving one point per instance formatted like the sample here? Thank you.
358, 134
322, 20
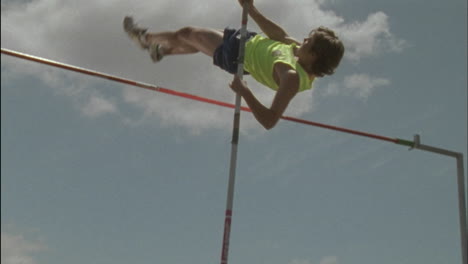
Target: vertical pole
235, 141
462, 208
461, 191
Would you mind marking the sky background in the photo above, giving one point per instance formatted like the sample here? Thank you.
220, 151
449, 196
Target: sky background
99, 172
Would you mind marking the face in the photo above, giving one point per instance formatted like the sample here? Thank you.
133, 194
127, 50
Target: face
307, 43
304, 53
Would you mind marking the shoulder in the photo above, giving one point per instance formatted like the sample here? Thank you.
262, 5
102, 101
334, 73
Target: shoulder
288, 40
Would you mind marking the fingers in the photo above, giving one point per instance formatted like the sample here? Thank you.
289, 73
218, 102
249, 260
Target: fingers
249, 2
237, 80
238, 85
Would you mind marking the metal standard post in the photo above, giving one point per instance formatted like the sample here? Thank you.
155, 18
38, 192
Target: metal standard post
462, 208
461, 191
235, 140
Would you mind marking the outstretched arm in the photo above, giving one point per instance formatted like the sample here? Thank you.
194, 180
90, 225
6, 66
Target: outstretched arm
270, 28
288, 88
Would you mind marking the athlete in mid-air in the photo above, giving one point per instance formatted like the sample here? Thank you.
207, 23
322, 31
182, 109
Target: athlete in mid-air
276, 60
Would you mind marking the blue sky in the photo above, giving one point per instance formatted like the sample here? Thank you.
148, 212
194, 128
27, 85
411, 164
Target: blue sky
99, 172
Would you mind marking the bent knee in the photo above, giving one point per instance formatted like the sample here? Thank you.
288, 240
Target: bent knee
186, 32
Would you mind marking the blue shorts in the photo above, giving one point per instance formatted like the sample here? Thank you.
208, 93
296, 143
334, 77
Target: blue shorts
225, 56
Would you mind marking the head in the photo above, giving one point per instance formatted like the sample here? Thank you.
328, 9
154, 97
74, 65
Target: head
324, 49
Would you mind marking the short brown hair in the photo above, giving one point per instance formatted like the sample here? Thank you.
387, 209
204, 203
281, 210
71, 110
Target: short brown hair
329, 50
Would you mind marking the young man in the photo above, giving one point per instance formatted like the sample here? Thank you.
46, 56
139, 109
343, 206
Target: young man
276, 61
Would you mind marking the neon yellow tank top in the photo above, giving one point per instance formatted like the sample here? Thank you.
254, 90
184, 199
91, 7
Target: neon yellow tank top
262, 53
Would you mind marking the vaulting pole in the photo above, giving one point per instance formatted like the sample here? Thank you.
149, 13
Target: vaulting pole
235, 141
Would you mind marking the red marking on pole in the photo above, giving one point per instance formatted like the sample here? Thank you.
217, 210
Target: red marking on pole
227, 233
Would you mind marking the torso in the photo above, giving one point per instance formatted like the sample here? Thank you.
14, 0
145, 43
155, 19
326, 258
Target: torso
267, 60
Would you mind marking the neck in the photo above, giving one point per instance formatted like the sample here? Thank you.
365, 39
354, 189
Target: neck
295, 50
304, 65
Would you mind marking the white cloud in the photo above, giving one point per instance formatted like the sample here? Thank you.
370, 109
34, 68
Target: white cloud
98, 106
80, 89
361, 38
19, 250
299, 261
324, 260
357, 85
329, 260
88, 34
362, 85
368, 38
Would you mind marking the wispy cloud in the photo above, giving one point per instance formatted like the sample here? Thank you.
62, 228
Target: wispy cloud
324, 260
80, 33
18, 250
299, 261
80, 89
370, 37
97, 106
362, 39
329, 260
358, 85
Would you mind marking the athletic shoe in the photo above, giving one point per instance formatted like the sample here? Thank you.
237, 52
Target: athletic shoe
136, 33
155, 52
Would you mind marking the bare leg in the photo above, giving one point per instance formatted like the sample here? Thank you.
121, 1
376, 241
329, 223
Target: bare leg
187, 40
